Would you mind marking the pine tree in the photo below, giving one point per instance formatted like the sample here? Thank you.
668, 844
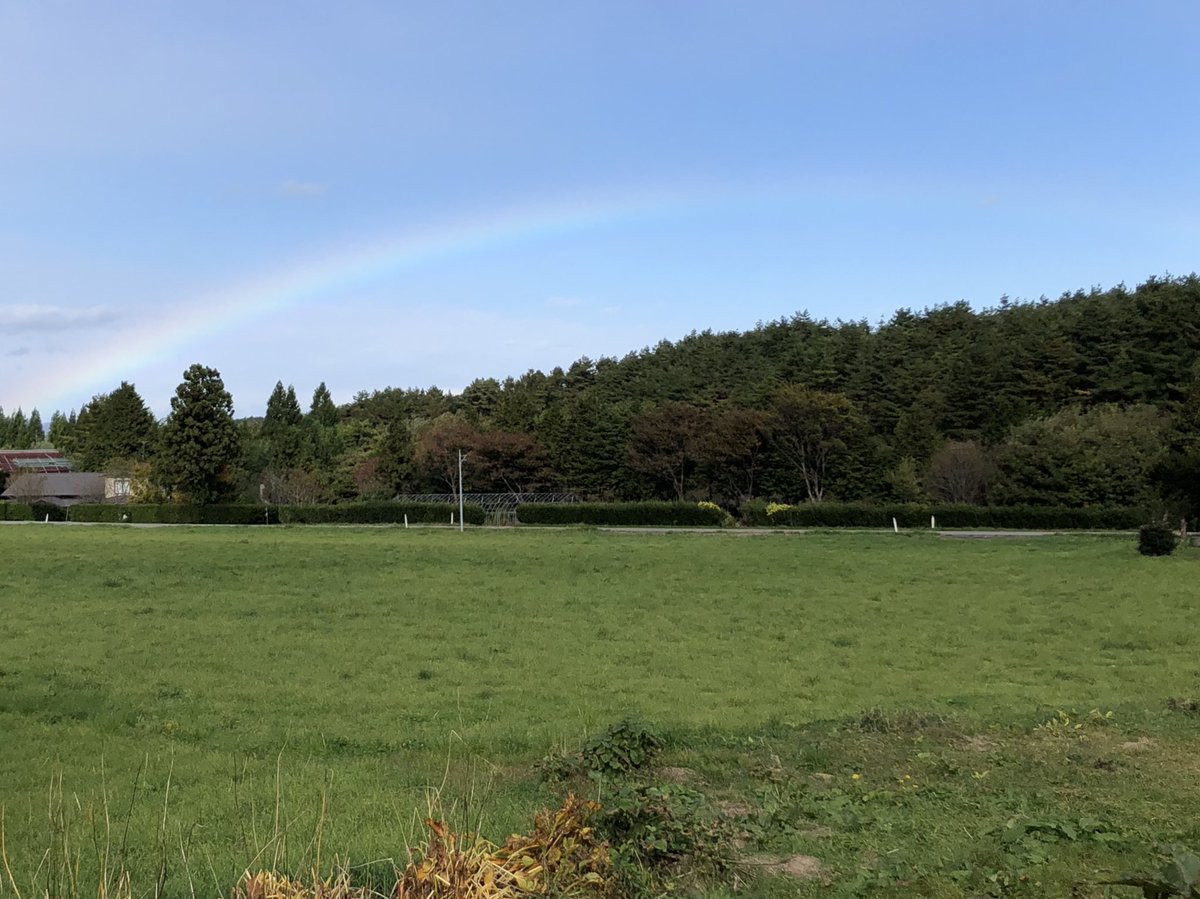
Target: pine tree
282, 427
322, 411
37, 433
59, 433
396, 467
18, 431
200, 441
115, 425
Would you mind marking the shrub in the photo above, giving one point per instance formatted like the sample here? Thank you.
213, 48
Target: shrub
754, 513
658, 829
1156, 540
661, 514
43, 511
727, 520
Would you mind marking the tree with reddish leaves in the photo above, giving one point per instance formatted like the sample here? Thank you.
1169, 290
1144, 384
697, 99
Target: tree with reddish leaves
508, 462
437, 447
731, 451
666, 442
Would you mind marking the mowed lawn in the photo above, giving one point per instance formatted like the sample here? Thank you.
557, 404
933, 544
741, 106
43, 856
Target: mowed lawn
240, 677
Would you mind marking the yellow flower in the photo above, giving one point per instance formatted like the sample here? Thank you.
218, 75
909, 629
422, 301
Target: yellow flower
855, 776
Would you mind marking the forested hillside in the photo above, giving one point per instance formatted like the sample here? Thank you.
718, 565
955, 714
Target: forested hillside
1091, 399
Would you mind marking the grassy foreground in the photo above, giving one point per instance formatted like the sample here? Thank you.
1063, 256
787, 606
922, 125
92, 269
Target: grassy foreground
922, 715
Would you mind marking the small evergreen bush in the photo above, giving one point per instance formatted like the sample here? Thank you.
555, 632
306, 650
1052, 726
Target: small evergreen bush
1156, 540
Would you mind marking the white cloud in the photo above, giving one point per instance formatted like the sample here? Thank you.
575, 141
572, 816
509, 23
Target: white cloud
302, 188
19, 351
23, 317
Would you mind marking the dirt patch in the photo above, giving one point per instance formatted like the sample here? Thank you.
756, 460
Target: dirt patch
800, 867
822, 777
819, 832
979, 743
735, 809
1141, 744
678, 775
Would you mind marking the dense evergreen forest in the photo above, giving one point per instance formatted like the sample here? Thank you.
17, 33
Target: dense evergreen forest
1090, 399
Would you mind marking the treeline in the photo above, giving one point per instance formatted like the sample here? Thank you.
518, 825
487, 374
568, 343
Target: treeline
1089, 400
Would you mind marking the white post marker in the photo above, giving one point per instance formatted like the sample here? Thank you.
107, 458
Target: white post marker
47, 518
452, 518
932, 522
406, 521
895, 527
460, 493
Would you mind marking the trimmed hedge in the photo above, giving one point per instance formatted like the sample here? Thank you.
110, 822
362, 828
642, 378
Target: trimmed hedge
175, 513
869, 515
629, 514
15, 512
228, 513
380, 513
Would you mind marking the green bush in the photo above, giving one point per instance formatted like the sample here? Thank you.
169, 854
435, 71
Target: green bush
44, 511
1156, 540
753, 513
660, 514
909, 515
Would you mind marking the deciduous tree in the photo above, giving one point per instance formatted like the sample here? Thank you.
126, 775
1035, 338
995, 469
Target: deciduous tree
811, 430
665, 442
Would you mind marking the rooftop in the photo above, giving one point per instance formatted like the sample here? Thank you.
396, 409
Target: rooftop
41, 461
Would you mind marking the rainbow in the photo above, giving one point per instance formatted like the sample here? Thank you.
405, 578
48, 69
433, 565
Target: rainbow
338, 270
335, 271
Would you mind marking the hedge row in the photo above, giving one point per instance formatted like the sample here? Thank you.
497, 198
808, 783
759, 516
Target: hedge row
15, 512
660, 514
175, 513
380, 513
350, 513
36, 512
865, 515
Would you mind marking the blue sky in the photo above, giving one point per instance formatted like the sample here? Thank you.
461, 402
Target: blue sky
688, 165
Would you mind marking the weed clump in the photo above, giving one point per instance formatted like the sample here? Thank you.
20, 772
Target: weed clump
1186, 705
663, 829
561, 857
625, 747
906, 721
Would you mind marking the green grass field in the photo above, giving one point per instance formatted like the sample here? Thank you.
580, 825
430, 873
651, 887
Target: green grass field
211, 688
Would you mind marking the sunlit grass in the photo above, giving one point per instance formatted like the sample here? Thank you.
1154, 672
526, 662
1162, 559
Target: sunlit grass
359, 665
